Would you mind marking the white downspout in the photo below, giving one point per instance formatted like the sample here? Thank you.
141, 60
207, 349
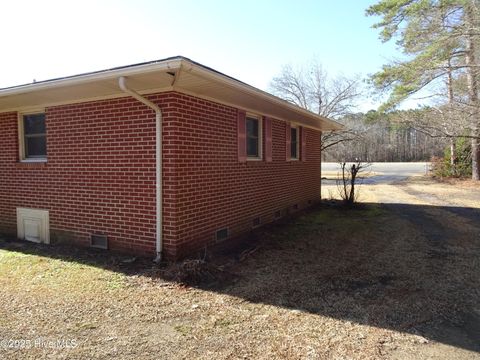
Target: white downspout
122, 82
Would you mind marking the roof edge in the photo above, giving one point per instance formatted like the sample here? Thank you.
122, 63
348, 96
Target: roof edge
164, 64
189, 65
178, 63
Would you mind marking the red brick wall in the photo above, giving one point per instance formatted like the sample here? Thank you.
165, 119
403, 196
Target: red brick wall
214, 190
100, 174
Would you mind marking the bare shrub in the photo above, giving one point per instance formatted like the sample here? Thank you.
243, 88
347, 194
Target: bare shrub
350, 176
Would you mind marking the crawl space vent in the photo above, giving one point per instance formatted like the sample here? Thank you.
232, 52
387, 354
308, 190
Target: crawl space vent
99, 241
33, 225
221, 234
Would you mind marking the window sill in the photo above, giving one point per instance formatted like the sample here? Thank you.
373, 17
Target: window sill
32, 163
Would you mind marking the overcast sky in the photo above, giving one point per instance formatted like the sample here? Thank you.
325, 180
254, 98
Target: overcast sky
248, 39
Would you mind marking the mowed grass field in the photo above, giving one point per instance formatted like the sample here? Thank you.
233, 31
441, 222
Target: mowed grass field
395, 281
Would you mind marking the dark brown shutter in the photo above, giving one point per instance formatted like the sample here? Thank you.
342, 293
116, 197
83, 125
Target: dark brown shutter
268, 139
288, 142
304, 144
241, 135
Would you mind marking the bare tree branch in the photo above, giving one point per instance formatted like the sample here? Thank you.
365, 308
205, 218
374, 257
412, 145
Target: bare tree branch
312, 89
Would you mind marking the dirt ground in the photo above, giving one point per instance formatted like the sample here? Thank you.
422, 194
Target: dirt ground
397, 280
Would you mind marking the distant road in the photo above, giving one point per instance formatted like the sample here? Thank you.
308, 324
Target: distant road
387, 172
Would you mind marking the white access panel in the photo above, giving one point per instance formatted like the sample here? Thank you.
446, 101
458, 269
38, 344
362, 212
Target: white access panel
33, 225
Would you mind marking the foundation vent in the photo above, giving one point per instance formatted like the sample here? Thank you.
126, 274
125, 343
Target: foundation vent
33, 225
99, 241
221, 234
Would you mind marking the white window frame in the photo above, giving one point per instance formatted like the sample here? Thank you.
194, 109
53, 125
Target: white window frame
260, 137
297, 141
21, 137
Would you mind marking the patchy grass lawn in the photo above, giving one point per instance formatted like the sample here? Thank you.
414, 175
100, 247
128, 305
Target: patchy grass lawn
374, 282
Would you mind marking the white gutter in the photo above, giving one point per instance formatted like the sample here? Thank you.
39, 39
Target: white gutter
122, 83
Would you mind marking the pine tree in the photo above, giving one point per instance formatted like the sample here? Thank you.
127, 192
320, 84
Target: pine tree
440, 39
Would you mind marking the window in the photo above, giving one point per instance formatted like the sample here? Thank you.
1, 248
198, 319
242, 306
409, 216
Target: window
294, 143
33, 137
254, 137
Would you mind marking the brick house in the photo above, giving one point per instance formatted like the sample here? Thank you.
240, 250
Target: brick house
81, 159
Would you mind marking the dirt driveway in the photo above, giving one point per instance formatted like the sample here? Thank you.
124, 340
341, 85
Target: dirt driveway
444, 217
393, 281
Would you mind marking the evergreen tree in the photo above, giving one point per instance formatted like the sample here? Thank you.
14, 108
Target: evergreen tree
440, 39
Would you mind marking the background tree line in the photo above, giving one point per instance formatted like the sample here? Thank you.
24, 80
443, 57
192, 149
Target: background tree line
380, 138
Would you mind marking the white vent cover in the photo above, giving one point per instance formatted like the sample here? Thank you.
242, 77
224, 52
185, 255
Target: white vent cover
33, 225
